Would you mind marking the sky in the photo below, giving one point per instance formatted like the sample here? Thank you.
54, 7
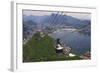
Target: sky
42, 13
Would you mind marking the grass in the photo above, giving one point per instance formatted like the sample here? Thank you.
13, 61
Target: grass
39, 49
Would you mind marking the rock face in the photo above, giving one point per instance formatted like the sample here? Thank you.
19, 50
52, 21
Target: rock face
87, 55
66, 50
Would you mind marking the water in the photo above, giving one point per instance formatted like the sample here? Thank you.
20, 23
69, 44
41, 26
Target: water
79, 42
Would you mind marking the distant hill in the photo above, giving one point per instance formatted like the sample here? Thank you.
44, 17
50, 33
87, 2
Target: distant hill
86, 30
57, 19
37, 19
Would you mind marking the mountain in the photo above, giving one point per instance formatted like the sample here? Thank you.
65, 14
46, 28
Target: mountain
86, 30
57, 19
54, 21
78, 23
37, 19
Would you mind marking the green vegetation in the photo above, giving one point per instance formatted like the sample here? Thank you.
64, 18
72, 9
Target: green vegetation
42, 49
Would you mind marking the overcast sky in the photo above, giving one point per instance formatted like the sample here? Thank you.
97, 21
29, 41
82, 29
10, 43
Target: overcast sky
42, 13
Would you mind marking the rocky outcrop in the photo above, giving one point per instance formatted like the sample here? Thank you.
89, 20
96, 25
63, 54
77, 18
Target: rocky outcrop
86, 55
66, 50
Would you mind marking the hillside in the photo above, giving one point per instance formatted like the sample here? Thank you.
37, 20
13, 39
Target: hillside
86, 30
42, 49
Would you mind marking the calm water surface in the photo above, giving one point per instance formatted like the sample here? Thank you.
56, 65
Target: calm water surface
79, 42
